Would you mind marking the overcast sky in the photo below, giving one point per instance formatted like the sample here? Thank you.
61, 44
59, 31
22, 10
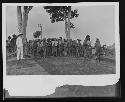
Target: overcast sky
97, 21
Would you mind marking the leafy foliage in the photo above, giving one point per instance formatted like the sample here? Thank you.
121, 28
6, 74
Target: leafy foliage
72, 25
36, 34
28, 8
59, 13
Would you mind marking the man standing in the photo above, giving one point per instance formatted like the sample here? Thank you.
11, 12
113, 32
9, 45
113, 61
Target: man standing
13, 44
87, 45
87, 41
44, 48
19, 44
60, 46
78, 48
98, 49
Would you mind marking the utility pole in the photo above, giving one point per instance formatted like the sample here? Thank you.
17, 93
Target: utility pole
39, 25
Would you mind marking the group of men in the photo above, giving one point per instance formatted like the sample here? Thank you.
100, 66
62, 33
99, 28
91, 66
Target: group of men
11, 44
61, 47
56, 47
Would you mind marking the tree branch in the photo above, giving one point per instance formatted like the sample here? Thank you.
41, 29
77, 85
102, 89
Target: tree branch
29, 8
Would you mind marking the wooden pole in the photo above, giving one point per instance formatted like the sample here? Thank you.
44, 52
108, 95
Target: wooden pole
39, 25
41, 31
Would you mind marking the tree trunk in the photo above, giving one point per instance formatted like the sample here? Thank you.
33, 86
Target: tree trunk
65, 25
69, 15
22, 21
66, 29
24, 24
19, 19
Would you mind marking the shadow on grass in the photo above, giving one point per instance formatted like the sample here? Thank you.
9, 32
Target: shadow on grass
73, 67
50, 68
61, 69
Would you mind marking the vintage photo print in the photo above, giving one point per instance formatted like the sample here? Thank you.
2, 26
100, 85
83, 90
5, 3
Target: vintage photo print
50, 45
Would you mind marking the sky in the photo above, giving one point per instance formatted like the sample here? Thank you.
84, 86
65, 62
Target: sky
97, 21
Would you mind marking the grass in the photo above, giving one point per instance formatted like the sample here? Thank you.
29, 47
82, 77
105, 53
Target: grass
74, 66
61, 66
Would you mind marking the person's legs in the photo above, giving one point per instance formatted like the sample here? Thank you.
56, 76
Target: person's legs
52, 50
76, 55
21, 49
18, 53
21, 53
44, 52
18, 56
56, 51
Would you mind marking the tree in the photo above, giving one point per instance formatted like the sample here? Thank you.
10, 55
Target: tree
62, 13
22, 18
36, 34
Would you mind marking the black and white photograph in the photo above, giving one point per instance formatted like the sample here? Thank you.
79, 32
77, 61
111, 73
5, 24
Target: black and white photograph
61, 39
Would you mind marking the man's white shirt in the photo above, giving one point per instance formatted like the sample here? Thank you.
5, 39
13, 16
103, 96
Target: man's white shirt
19, 42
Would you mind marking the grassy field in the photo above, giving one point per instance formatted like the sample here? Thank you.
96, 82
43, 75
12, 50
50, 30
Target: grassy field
60, 66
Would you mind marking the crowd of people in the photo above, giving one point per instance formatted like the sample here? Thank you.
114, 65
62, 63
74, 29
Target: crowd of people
61, 47
11, 44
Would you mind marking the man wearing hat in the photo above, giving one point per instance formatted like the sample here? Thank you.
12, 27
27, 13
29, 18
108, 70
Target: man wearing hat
19, 44
98, 48
87, 41
78, 48
87, 44
97, 44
